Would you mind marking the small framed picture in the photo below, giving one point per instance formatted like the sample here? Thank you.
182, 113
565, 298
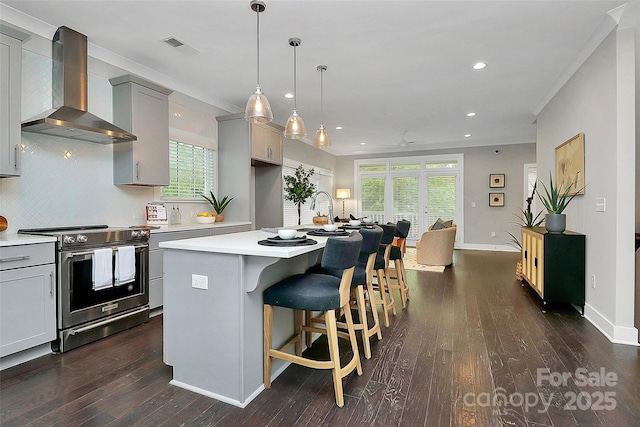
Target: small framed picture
496, 199
496, 180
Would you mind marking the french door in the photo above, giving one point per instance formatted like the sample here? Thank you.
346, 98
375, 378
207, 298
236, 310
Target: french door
420, 190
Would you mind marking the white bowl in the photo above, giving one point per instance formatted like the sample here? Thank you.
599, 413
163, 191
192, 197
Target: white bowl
287, 234
354, 223
330, 227
205, 219
367, 220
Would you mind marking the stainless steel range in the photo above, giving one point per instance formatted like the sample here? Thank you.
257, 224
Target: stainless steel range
87, 312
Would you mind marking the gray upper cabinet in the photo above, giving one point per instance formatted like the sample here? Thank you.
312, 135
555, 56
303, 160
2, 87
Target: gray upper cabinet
10, 105
266, 144
142, 108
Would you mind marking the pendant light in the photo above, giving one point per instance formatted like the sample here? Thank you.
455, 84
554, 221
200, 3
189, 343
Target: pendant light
322, 140
295, 126
258, 109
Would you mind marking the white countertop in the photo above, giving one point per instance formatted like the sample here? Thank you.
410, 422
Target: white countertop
244, 243
14, 239
197, 226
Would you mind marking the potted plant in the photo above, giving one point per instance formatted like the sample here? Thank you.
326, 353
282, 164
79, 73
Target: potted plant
298, 187
219, 205
526, 220
555, 200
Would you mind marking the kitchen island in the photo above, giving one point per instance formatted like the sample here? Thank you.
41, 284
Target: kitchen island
213, 310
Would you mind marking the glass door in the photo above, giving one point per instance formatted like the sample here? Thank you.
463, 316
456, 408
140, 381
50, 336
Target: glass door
406, 203
372, 190
441, 191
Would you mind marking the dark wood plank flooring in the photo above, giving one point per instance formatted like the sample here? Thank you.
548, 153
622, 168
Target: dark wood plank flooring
465, 352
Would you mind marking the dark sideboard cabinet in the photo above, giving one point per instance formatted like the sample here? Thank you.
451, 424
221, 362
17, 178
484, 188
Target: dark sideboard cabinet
554, 265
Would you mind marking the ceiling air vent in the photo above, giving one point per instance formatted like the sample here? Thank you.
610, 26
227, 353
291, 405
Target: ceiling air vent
178, 45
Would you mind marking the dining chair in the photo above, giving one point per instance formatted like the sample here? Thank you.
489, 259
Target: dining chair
396, 255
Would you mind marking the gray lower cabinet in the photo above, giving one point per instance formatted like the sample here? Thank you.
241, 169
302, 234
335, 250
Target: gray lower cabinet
10, 82
142, 108
27, 297
156, 271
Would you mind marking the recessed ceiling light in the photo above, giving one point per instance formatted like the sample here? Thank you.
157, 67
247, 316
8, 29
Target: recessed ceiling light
479, 65
338, 127
467, 135
363, 143
471, 114
288, 95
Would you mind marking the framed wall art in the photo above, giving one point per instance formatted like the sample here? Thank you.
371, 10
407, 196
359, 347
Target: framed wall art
496, 199
496, 180
570, 164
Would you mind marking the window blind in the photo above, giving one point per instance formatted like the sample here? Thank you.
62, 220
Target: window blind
191, 171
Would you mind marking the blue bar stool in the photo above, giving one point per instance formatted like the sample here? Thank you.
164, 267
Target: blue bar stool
382, 271
317, 292
396, 255
362, 276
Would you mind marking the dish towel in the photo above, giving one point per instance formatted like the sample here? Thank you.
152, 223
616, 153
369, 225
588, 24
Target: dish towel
102, 273
125, 265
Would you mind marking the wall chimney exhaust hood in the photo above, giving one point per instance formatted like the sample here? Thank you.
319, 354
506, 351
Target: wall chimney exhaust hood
69, 117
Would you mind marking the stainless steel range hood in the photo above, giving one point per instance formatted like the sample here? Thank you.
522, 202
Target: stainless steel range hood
69, 117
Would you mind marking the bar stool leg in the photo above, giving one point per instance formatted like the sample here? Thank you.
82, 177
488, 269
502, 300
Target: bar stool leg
297, 319
332, 338
392, 302
383, 297
402, 281
373, 303
362, 313
268, 328
354, 342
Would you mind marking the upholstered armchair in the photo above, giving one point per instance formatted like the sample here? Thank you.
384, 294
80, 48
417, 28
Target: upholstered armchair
435, 247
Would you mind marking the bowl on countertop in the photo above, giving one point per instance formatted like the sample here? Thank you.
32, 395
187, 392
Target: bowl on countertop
330, 227
287, 234
205, 219
354, 223
367, 220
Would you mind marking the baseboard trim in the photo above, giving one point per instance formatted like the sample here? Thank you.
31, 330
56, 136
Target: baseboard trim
616, 334
483, 247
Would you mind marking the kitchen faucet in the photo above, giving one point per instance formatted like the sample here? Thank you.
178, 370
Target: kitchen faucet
313, 204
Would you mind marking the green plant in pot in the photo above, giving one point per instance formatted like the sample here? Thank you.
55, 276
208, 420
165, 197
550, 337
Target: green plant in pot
219, 205
528, 220
555, 200
298, 187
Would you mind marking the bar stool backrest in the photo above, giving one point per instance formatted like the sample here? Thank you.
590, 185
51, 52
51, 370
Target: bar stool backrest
341, 253
371, 239
402, 228
388, 233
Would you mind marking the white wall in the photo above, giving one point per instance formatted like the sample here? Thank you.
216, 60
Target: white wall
598, 100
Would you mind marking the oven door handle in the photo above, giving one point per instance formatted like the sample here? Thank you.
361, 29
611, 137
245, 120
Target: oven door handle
71, 254
107, 321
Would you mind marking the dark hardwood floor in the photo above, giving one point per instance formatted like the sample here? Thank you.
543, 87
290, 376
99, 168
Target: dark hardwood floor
466, 351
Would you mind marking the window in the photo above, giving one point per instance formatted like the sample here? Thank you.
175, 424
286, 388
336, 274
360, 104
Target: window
192, 171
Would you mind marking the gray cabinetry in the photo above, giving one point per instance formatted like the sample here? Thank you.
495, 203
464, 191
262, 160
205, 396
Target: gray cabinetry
142, 108
27, 297
266, 144
156, 271
10, 82
256, 183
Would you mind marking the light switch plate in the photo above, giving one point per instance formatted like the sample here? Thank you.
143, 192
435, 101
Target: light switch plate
600, 204
199, 282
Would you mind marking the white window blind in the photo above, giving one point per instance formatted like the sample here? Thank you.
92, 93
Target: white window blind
192, 171
323, 179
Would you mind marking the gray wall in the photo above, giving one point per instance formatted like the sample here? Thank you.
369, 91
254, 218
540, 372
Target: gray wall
599, 101
479, 162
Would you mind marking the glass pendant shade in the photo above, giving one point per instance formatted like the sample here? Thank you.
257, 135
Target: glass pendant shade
295, 127
258, 109
322, 140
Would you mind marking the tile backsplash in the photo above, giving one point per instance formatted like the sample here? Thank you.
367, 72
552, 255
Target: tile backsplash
66, 182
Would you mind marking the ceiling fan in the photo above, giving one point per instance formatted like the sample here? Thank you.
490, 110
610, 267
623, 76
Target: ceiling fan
403, 142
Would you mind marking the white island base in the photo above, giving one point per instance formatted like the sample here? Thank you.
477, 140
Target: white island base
213, 337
